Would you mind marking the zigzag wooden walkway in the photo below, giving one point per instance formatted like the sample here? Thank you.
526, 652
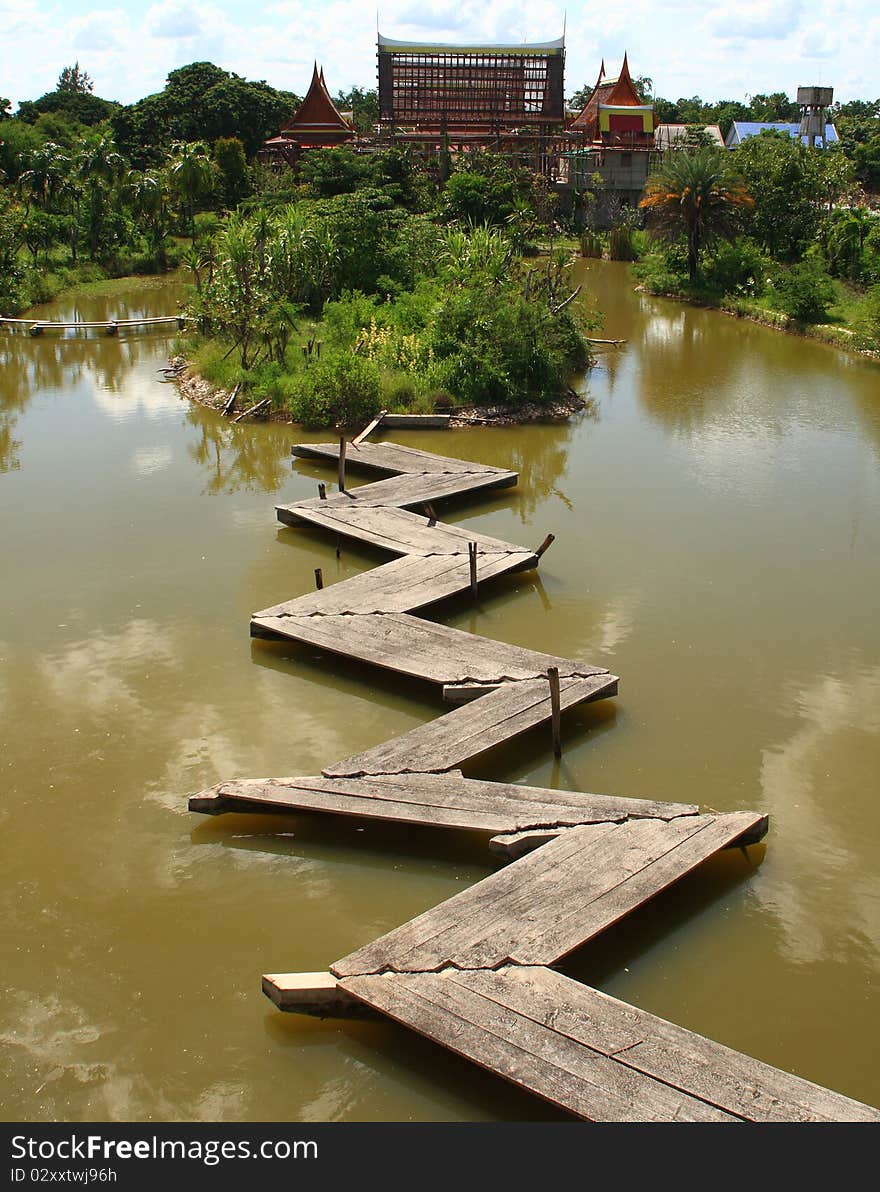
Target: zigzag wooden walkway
473, 974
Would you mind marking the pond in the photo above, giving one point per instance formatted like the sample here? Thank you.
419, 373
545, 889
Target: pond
717, 522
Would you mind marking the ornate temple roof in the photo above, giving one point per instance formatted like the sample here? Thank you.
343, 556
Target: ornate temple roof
317, 121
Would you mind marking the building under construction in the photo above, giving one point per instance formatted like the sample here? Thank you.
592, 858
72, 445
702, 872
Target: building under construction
447, 99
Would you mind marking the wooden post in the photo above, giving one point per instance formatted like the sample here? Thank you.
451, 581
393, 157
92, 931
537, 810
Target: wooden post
555, 710
322, 491
319, 578
472, 560
548, 541
227, 409
342, 463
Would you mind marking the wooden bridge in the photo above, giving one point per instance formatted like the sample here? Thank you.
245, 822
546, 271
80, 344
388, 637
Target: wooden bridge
110, 326
475, 974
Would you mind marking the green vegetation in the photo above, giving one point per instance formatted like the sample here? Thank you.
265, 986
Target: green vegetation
796, 244
334, 308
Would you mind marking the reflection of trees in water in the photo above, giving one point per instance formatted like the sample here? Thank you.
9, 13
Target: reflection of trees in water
539, 453
238, 457
684, 365
53, 361
9, 446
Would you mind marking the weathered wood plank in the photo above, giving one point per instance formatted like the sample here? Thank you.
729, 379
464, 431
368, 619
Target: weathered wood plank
421, 649
393, 457
401, 586
680, 1058
318, 994
401, 492
443, 800
470, 730
552, 901
398, 530
532, 1055
368, 429
416, 421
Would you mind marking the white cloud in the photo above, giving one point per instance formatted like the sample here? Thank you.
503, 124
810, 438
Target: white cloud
724, 50
174, 19
754, 20
105, 30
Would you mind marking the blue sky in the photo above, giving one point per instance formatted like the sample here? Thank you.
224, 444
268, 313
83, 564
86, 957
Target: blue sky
712, 48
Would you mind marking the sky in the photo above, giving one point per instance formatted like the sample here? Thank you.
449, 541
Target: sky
713, 48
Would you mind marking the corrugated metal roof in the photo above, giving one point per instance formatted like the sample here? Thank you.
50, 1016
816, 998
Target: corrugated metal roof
741, 130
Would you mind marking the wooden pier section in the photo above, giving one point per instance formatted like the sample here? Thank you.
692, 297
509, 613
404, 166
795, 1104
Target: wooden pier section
110, 326
475, 974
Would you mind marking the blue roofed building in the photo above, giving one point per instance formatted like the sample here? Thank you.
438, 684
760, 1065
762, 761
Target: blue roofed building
741, 130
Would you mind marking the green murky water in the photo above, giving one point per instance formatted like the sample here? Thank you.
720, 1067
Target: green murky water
718, 547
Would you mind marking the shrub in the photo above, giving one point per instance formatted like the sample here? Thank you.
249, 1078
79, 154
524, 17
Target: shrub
398, 391
869, 323
591, 244
736, 267
621, 246
343, 389
804, 292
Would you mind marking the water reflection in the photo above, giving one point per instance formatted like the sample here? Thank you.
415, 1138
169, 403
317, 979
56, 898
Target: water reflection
238, 457
829, 760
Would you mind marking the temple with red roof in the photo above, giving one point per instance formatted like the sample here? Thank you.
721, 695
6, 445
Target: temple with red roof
316, 124
612, 137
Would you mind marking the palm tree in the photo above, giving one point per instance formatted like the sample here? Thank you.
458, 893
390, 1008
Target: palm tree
44, 178
849, 231
146, 192
697, 196
191, 176
98, 166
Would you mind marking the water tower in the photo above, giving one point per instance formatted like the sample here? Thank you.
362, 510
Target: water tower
813, 102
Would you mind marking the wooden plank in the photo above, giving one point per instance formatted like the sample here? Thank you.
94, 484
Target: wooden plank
368, 429
470, 730
534, 1056
392, 457
680, 1058
421, 649
441, 800
406, 584
319, 994
398, 530
401, 492
552, 901
417, 421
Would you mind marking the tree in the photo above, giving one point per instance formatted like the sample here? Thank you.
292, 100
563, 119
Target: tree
363, 105
98, 167
785, 179
74, 79
79, 107
201, 102
846, 241
191, 176
695, 195
867, 162
338, 171
148, 195
233, 169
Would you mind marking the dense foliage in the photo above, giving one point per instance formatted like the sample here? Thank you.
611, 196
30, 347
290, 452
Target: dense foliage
200, 102
335, 306
805, 245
